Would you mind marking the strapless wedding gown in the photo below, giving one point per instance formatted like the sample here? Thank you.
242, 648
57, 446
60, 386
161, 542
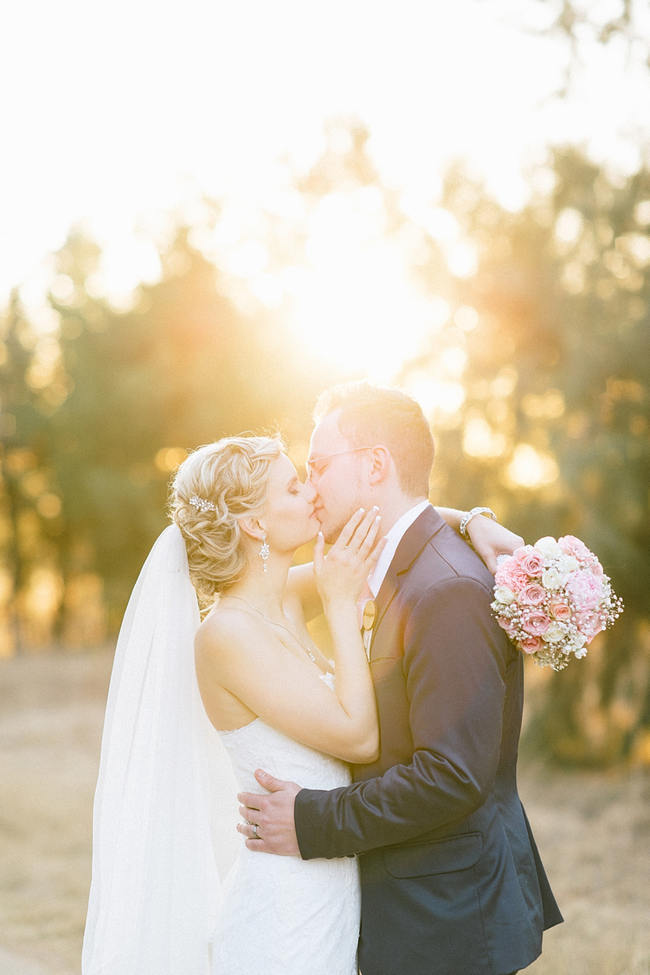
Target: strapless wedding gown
284, 915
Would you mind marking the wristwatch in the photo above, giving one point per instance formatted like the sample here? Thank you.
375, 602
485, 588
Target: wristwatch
467, 517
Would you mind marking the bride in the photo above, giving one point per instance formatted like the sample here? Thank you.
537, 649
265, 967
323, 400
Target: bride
248, 681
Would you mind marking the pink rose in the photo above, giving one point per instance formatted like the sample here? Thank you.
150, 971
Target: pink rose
535, 622
530, 561
589, 625
560, 610
508, 626
532, 595
510, 574
585, 590
595, 567
530, 644
571, 545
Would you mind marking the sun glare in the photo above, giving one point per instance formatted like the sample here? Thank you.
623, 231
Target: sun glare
530, 468
354, 301
439, 399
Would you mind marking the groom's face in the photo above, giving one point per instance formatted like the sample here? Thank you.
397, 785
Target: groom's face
336, 470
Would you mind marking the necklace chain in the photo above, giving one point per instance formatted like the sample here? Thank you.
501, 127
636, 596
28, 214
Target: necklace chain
268, 619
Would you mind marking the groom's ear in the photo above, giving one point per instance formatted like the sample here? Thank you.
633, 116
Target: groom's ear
381, 463
253, 527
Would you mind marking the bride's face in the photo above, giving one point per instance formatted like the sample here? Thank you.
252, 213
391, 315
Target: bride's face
289, 510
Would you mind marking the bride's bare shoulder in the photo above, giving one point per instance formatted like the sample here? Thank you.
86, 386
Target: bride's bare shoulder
224, 632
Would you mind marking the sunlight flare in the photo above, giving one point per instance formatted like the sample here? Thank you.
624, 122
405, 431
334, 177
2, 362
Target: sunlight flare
355, 303
530, 468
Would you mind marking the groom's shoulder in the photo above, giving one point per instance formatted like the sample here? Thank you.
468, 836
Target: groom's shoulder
446, 558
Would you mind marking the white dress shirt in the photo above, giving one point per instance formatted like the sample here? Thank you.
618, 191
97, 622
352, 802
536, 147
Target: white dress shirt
393, 538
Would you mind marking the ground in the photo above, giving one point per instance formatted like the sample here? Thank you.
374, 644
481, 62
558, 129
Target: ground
592, 830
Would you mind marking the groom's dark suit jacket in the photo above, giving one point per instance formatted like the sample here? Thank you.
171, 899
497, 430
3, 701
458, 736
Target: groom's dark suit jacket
452, 882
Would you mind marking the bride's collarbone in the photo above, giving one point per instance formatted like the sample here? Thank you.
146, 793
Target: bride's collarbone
305, 646
292, 634
299, 644
226, 710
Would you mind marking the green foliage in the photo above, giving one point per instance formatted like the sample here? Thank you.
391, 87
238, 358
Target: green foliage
136, 389
559, 362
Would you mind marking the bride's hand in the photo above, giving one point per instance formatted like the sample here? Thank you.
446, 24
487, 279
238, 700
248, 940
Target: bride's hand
343, 573
490, 539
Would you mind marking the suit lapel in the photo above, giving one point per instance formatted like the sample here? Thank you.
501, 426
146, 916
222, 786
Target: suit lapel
425, 526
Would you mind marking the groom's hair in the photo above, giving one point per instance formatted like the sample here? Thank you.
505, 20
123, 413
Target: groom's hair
383, 415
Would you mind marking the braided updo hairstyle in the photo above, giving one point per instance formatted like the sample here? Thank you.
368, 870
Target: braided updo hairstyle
232, 474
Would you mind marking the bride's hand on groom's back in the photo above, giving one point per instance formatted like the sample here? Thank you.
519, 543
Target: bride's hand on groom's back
343, 572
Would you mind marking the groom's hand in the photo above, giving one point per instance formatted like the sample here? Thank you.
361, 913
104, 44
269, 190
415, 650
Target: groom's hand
269, 825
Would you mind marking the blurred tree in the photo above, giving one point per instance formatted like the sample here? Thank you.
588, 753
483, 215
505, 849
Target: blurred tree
581, 25
28, 508
16, 427
554, 426
183, 366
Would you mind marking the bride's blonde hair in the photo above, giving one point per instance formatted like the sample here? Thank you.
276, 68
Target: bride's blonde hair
211, 489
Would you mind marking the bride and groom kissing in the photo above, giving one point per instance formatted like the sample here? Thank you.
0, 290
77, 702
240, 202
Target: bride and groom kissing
417, 857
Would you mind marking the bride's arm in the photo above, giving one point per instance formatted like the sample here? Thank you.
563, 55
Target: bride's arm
488, 538
238, 652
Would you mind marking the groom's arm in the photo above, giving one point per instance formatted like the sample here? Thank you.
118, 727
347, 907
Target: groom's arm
455, 657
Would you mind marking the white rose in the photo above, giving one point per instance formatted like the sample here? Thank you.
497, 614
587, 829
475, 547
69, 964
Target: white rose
552, 578
576, 649
504, 595
554, 633
567, 564
548, 547
579, 640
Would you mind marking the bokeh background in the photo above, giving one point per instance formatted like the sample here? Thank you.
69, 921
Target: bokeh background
211, 213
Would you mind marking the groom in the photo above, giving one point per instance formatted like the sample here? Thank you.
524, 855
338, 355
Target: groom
452, 882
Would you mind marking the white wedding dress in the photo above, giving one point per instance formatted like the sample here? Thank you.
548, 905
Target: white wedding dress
165, 814
283, 915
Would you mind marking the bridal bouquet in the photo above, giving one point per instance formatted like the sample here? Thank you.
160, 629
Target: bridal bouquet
552, 598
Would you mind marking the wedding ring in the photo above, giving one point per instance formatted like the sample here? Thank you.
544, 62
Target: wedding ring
255, 833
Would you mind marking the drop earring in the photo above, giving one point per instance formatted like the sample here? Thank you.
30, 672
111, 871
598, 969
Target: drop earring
264, 555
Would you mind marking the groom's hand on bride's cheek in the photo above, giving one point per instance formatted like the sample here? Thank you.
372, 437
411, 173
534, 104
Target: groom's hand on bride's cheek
269, 825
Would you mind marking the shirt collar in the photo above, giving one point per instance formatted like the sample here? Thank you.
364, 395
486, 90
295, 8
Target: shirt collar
393, 538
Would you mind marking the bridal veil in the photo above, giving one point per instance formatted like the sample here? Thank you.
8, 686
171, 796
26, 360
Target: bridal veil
165, 804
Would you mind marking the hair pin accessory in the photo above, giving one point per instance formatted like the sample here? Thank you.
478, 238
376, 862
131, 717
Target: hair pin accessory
201, 504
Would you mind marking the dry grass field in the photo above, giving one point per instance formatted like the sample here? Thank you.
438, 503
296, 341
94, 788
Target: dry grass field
592, 829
